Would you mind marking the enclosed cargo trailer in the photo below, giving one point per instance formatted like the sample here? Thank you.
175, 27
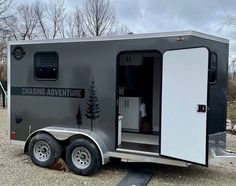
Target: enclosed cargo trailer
157, 98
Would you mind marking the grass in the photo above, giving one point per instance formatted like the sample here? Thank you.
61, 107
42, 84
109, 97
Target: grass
231, 112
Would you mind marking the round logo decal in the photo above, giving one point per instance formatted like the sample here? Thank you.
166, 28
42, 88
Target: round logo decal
18, 53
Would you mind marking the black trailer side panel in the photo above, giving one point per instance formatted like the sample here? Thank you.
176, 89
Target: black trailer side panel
50, 104
79, 63
218, 91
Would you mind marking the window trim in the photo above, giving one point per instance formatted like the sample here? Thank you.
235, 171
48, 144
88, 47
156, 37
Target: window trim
57, 69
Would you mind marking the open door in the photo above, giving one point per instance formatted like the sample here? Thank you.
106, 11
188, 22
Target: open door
184, 105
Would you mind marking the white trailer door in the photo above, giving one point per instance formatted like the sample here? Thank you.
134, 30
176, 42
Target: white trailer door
184, 105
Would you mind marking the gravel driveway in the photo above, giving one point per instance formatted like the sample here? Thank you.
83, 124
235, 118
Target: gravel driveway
17, 169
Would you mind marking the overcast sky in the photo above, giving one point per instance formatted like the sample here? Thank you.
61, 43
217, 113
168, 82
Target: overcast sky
171, 15
145, 16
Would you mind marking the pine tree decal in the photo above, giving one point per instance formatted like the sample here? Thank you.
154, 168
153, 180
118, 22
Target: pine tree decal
79, 120
93, 110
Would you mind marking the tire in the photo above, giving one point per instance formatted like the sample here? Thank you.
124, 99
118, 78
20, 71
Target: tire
83, 157
44, 150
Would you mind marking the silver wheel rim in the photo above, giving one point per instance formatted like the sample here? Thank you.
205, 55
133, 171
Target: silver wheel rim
42, 151
81, 157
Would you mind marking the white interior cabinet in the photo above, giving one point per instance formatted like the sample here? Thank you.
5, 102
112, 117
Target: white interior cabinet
129, 108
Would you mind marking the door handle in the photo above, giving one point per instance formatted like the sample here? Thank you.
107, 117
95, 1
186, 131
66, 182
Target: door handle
201, 108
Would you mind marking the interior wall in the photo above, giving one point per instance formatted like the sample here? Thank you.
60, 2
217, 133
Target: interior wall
156, 93
136, 60
130, 59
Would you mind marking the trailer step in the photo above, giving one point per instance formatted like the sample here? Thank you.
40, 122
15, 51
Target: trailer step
223, 156
134, 157
136, 178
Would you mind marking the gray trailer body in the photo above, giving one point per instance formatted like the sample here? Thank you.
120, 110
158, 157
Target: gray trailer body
37, 104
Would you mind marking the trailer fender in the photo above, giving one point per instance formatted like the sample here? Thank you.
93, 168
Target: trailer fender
61, 133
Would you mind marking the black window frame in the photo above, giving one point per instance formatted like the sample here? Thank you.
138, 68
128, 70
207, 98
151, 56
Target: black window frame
57, 66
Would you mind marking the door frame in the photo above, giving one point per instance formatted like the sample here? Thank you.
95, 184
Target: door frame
208, 90
117, 88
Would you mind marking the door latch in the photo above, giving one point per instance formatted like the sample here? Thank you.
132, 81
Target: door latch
201, 108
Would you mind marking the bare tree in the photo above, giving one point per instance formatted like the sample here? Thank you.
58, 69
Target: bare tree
230, 22
232, 69
231, 91
40, 11
5, 13
5, 6
23, 24
11, 27
51, 17
99, 17
56, 13
75, 24
62, 26
79, 23
5, 36
27, 22
120, 30
3, 59
3, 71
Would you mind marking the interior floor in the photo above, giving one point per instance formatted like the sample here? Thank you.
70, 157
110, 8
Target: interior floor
150, 139
139, 147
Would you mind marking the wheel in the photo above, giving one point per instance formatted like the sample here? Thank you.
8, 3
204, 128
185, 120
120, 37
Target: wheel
44, 150
83, 157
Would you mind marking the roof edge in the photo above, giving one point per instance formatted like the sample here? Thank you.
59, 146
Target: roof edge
208, 36
123, 37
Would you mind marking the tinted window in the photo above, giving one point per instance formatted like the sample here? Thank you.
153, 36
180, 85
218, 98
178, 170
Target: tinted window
46, 65
213, 68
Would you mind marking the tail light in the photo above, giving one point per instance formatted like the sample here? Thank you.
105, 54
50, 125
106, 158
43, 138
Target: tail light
13, 135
